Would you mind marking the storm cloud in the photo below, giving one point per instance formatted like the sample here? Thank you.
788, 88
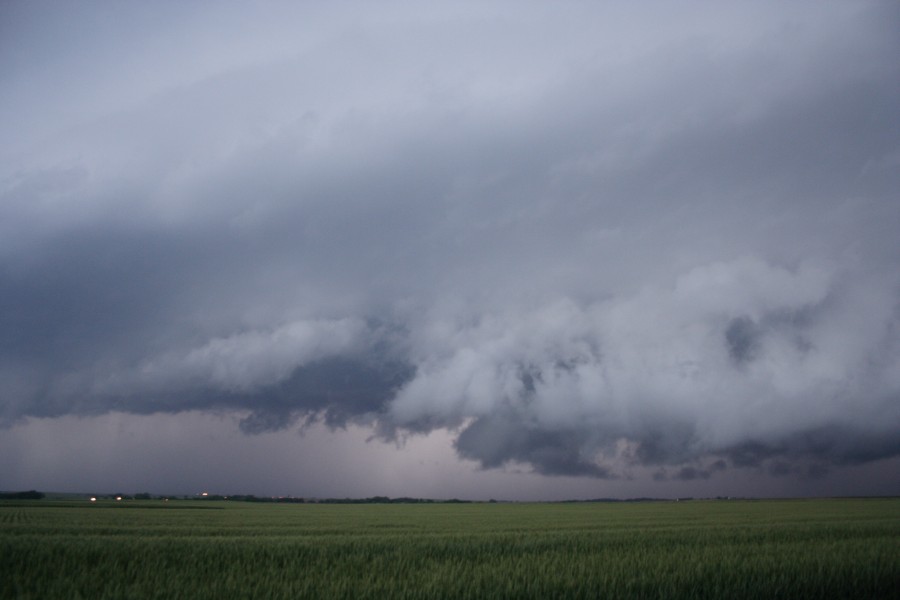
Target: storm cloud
582, 238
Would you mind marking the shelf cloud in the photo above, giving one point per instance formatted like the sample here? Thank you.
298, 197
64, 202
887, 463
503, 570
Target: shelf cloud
580, 238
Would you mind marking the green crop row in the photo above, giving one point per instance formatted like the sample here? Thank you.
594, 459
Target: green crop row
773, 549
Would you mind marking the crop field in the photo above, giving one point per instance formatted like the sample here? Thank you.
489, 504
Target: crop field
697, 549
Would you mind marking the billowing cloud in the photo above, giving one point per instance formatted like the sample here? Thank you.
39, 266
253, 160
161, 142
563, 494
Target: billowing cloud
582, 240
744, 359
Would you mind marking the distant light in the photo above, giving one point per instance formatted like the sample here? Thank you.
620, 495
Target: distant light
93, 499
204, 494
118, 497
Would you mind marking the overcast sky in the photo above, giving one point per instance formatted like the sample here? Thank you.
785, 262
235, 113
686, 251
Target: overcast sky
521, 250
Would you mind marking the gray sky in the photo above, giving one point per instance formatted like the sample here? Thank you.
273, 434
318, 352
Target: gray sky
517, 250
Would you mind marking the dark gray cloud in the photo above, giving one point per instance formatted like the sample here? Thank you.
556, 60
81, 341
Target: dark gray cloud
497, 439
584, 241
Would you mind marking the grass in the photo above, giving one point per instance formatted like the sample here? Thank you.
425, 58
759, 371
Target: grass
734, 549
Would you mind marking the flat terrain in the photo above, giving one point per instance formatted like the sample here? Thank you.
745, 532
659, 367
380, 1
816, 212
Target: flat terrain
696, 549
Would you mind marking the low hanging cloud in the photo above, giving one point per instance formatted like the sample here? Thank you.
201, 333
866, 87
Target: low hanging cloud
247, 361
741, 360
582, 241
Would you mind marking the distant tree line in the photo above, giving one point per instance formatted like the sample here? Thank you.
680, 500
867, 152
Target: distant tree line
386, 500
29, 495
293, 500
35, 495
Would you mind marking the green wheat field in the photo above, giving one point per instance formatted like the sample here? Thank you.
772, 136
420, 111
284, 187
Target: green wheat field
843, 548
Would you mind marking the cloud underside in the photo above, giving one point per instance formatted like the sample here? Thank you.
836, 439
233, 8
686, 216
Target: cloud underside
673, 247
